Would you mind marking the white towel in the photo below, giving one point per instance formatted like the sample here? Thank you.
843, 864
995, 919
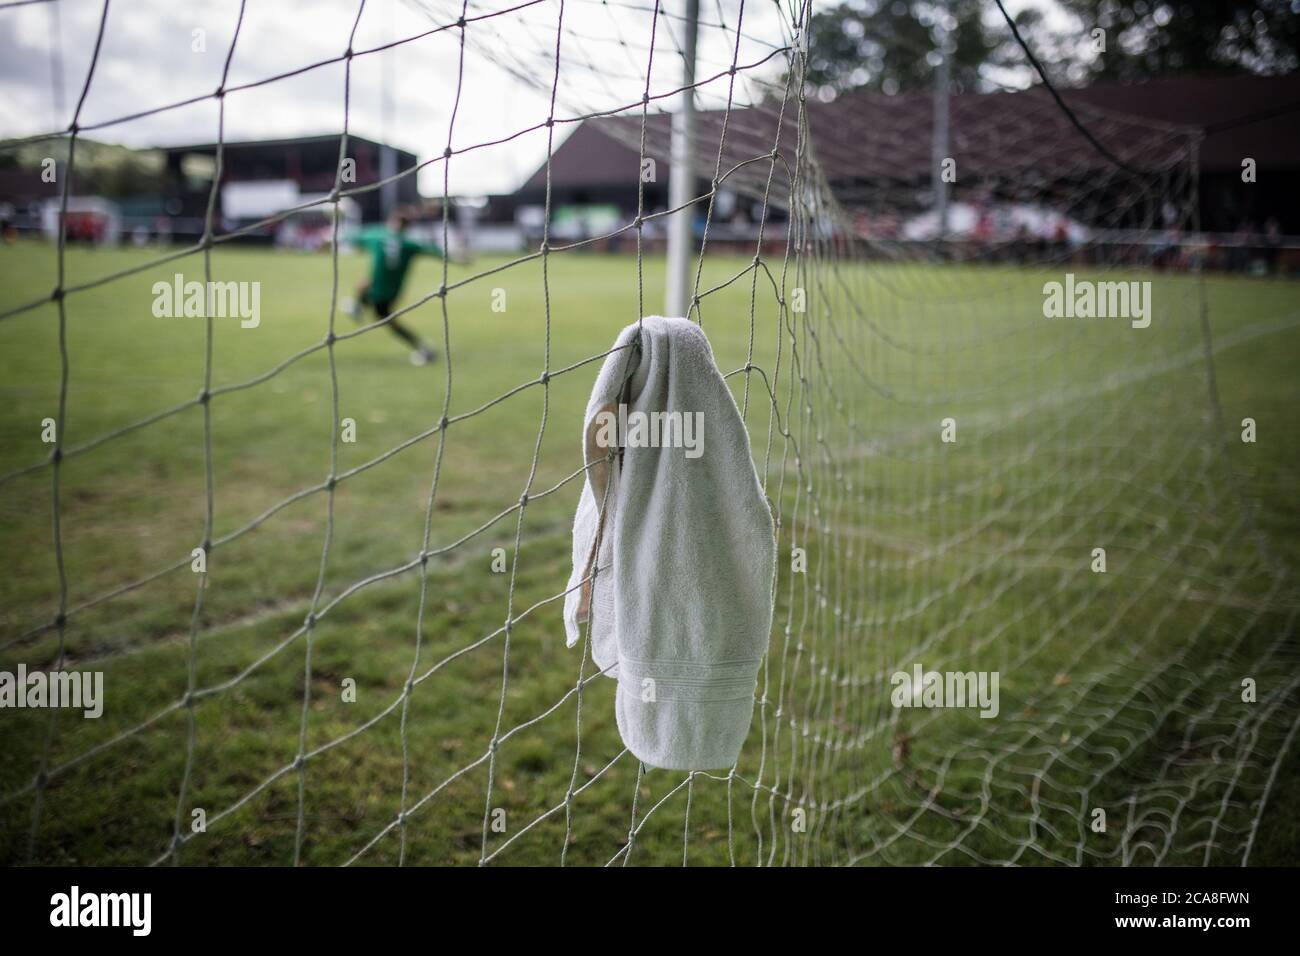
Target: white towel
681, 609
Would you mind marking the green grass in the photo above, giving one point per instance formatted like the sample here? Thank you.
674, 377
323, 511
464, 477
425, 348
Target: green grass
1119, 691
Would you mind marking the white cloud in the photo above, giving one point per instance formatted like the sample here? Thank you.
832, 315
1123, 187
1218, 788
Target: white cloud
147, 62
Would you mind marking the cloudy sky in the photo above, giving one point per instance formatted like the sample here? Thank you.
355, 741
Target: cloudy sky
160, 52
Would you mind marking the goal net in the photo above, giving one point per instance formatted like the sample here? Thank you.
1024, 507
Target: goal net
1024, 612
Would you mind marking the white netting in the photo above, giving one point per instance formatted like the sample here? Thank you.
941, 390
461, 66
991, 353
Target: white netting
855, 344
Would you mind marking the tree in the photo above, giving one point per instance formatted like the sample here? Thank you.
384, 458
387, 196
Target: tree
1150, 38
891, 45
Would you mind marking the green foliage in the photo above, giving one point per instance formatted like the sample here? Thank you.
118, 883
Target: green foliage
889, 46
1154, 38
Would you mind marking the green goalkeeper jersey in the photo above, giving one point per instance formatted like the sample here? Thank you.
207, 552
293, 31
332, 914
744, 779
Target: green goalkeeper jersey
390, 256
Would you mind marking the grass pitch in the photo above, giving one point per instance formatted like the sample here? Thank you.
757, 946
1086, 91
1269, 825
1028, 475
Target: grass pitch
1118, 691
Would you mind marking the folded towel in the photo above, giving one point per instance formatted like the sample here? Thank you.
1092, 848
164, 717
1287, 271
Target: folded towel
681, 607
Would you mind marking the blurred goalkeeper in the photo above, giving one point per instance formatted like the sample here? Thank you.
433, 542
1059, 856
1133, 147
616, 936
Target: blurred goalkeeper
391, 252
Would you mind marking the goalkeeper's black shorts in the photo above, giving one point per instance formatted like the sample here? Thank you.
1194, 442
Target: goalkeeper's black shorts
382, 309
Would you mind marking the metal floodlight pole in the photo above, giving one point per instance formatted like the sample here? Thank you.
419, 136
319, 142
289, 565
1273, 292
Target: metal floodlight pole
940, 140
681, 174
387, 154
